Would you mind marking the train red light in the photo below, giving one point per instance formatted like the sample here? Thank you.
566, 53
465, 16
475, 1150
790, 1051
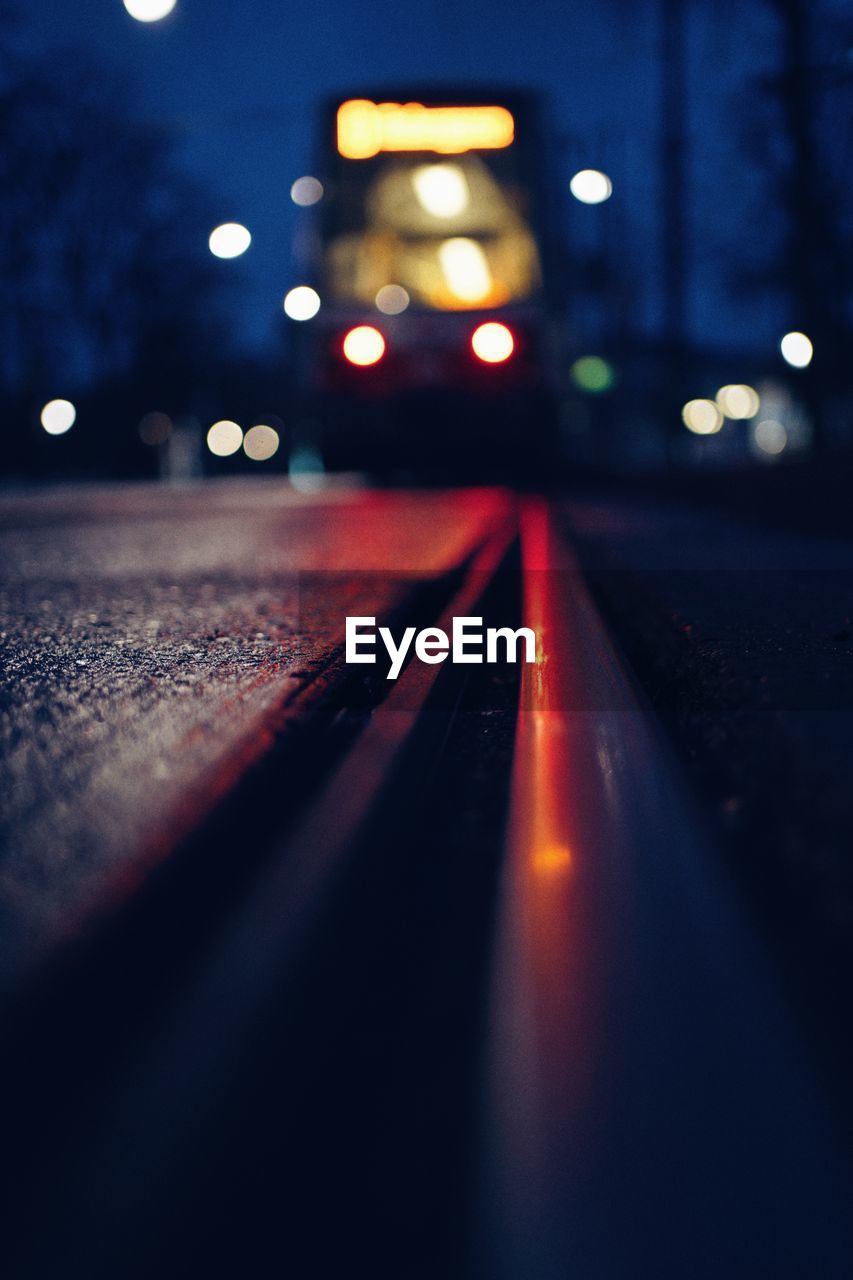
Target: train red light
364, 345
492, 342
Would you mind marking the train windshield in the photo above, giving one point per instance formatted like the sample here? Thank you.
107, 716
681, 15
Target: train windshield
447, 229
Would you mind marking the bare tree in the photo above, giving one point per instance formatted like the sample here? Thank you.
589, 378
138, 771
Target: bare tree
103, 241
801, 146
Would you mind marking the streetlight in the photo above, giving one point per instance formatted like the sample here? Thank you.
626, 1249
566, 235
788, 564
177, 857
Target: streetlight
58, 416
306, 191
149, 10
591, 186
797, 350
738, 401
229, 240
702, 417
302, 302
261, 442
224, 438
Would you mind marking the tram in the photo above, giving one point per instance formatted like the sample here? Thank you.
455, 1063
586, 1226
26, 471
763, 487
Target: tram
434, 347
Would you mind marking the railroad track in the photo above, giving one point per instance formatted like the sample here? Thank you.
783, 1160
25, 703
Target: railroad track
477, 1003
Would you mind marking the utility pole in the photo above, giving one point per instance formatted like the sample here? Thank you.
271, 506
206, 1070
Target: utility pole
673, 196
811, 238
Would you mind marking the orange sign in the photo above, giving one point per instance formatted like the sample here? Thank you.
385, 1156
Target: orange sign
366, 128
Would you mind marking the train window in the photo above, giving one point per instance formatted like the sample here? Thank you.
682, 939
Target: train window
451, 231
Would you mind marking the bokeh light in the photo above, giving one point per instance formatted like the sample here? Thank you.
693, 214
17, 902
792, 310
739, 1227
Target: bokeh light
738, 401
155, 428
261, 442
392, 299
441, 189
229, 240
593, 375
702, 417
466, 269
591, 186
302, 303
769, 437
224, 438
149, 10
492, 342
306, 470
552, 860
365, 128
58, 416
775, 399
364, 345
306, 191
797, 350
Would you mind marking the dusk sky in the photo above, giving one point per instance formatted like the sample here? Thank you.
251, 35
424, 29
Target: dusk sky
239, 85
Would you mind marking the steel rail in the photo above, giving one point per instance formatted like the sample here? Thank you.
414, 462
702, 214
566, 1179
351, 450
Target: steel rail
171, 1094
647, 1109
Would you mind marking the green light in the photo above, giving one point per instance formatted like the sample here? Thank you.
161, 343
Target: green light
594, 375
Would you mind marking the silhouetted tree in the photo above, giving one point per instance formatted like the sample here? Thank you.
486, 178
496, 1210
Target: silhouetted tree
800, 142
106, 275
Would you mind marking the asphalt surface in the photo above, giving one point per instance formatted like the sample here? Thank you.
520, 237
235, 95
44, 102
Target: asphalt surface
152, 640
161, 644
742, 637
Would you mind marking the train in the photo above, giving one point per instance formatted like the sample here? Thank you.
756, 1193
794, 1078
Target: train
436, 344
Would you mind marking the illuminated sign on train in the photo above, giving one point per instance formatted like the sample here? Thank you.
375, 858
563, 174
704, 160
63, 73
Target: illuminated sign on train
366, 128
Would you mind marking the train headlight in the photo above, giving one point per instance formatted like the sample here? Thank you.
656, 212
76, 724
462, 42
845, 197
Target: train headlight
492, 342
364, 345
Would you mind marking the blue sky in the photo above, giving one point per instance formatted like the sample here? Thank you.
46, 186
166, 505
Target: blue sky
238, 83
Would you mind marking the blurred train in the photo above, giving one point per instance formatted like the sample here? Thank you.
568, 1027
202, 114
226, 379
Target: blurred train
435, 347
